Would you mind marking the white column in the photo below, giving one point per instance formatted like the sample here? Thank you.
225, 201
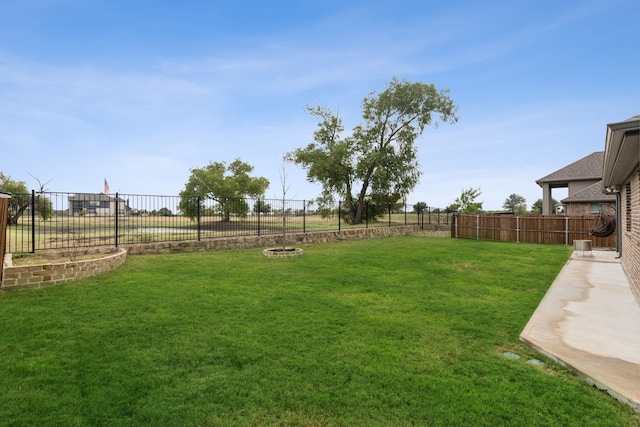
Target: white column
546, 199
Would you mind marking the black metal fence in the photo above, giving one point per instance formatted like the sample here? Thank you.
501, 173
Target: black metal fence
43, 221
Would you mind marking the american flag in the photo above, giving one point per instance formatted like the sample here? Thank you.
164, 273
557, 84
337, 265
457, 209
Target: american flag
106, 187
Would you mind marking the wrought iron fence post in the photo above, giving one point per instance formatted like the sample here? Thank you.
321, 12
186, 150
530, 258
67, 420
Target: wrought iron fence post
405, 214
366, 214
33, 221
259, 210
304, 216
199, 214
339, 213
389, 209
117, 216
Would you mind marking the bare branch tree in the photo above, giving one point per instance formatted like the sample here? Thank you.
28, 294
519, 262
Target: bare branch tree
42, 189
285, 189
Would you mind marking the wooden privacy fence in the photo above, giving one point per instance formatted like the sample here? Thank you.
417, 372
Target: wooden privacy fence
550, 229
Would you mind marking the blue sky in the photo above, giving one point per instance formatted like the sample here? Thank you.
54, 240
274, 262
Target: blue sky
138, 92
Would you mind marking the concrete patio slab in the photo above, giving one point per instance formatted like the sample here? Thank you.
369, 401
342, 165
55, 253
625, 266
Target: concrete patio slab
589, 321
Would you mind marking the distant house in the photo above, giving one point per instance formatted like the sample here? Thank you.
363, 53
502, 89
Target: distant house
591, 200
621, 177
583, 179
94, 204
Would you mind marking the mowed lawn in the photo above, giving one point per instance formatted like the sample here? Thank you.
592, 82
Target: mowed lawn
386, 332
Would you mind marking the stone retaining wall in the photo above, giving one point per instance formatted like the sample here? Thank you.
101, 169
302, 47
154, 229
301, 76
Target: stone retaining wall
248, 242
40, 275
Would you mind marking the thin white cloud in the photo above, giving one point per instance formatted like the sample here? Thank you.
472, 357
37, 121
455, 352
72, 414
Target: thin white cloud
150, 123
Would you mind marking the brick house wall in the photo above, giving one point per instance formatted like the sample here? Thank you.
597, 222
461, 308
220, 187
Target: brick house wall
630, 227
621, 175
584, 209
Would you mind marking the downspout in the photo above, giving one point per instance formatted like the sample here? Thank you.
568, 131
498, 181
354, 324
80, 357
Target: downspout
618, 225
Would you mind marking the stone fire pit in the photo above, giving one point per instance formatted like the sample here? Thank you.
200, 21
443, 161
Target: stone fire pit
282, 252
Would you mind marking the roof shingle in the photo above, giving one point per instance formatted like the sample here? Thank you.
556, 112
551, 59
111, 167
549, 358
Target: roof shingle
589, 167
592, 194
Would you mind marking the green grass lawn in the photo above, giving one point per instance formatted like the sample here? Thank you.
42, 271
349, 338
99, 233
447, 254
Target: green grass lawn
386, 332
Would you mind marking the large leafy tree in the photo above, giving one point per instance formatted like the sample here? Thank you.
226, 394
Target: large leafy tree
420, 207
226, 184
515, 203
379, 158
537, 205
466, 203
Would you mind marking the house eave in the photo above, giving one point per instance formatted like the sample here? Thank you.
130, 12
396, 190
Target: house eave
606, 198
622, 153
563, 182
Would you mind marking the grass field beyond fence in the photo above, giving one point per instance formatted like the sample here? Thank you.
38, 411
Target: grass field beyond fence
386, 332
